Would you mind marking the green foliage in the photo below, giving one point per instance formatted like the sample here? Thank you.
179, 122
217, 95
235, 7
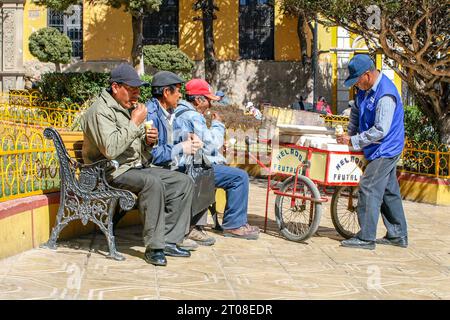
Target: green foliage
58, 5
413, 36
80, 88
146, 92
418, 127
134, 7
50, 45
72, 87
169, 58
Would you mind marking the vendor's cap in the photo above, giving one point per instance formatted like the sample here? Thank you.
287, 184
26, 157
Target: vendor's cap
200, 87
125, 73
165, 78
356, 67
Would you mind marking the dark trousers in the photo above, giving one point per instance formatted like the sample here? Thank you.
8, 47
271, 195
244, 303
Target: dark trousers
236, 185
164, 202
379, 191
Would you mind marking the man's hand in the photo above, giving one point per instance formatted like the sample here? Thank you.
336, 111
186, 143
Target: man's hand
216, 116
151, 136
139, 114
344, 139
192, 144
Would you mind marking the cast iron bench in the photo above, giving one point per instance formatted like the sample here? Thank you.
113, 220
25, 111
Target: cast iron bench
86, 195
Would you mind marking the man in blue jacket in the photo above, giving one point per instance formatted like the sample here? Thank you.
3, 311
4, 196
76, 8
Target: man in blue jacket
166, 87
189, 119
376, 126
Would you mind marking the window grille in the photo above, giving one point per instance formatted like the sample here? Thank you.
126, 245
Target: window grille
70, 24
256, 29
162, 27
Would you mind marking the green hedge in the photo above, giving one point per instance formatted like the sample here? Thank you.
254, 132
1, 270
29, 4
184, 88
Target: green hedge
72, 87
169, 58
79, 87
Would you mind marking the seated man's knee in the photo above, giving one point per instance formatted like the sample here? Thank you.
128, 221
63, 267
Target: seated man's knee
153, 182
242, 175
185, 180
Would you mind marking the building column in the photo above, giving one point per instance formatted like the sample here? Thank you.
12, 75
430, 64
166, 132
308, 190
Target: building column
11, 45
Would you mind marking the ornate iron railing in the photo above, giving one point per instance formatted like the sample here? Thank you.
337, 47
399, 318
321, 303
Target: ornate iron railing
28, 163
426, 159
23, 108
20, 97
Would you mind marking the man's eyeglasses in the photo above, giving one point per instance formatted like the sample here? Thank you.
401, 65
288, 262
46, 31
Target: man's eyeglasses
128, 88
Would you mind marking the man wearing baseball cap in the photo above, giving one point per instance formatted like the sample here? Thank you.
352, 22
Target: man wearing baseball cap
166, 87
376, 126
189, 119
114, 129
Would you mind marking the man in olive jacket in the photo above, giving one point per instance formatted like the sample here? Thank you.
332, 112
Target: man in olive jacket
114, 129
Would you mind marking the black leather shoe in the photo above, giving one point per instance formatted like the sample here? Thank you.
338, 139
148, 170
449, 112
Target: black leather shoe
398, 242
155, 257
173, 250
358, 243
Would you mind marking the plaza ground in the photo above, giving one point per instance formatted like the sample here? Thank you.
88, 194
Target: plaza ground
269, 268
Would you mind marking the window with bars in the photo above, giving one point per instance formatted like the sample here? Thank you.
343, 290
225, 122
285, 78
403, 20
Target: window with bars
162, 27
70, 24
256, 29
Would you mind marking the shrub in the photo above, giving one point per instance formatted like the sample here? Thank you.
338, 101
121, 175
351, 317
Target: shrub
72, 87
418, 127
169, 58
50, 45
80, 88
146, 92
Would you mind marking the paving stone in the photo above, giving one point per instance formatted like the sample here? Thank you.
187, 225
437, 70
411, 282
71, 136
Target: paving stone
234, 269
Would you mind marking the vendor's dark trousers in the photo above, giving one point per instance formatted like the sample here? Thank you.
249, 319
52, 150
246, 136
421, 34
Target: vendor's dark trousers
379, 191
164, 202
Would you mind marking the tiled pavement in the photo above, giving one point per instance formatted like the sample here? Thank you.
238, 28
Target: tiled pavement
269, 268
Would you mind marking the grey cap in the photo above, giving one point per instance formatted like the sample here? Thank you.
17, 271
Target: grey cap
165, 78
125, 73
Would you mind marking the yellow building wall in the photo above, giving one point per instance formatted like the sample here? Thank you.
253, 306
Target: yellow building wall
190, 32
107, 33
334, 69
34, 18
226, 30
325, 40
287, 46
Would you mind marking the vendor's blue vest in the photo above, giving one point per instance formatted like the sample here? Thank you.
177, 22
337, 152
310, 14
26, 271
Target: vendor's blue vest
392, 144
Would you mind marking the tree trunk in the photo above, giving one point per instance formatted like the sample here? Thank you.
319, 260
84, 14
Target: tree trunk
444, 129
208, 41
137, 49
57, 67
305, 58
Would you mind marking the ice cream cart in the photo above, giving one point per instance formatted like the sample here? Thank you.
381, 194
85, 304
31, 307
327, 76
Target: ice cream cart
305, 166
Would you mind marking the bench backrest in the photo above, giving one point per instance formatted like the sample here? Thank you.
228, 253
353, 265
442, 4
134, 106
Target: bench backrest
73, 141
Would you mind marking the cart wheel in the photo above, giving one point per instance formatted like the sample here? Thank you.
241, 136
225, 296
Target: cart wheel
298, 219
343, 211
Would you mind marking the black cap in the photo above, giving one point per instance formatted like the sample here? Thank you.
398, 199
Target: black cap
165, 78
125, 73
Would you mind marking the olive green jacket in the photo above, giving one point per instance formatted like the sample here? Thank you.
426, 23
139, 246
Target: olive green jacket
110, 134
